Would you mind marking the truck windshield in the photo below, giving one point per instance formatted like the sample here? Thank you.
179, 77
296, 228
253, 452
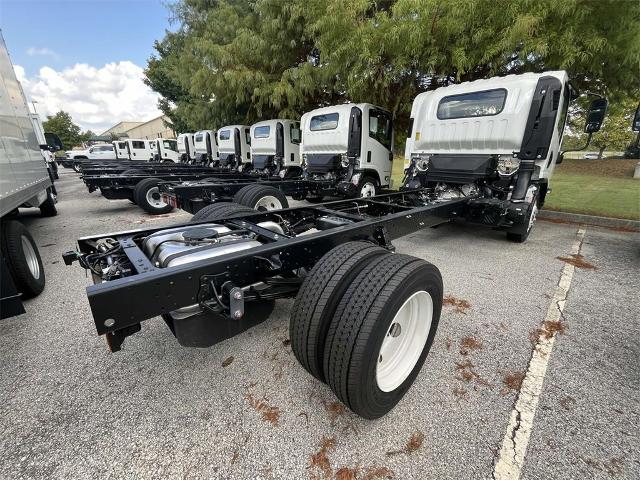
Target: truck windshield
261, 132
170, 145
327, 121
474, 104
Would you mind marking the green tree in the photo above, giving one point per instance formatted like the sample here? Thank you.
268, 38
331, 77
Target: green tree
62, 124
615, 134
242, 60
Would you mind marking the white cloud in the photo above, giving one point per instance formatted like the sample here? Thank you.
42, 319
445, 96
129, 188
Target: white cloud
42, 52
96, 98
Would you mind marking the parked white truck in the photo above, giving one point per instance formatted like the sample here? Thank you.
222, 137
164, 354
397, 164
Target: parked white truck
234, 147
206, 147
275, 147
350, 146
496, 139
186, 147
25, 181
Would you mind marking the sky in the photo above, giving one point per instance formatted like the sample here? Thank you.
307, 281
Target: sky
85, 56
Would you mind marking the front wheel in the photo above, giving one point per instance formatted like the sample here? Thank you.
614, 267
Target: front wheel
261, 197
382, 332
48, 207
147, 195
368, 187
520, 233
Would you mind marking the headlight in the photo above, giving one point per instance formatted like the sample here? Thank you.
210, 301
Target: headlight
507, 165
421, 162
344, 160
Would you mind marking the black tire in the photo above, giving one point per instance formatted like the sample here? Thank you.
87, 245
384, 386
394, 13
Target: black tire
54, 170
362, 321
256, 196
216, 211
48, 207
28, 284
318, 298
368, 180
143, 190
520, 233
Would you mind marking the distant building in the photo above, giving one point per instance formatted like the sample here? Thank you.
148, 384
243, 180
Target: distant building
154, 128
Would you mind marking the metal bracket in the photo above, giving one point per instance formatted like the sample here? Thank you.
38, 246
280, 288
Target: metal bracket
236, 303
381, 236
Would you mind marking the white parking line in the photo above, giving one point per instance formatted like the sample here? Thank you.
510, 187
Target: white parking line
516, 438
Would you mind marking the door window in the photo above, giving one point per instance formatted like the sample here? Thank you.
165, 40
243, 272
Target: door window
225, 134
138, 145
380, 127
295, 133
247, 136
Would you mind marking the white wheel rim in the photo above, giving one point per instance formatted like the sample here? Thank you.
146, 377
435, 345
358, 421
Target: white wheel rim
404, 341
31, 257
368, 190
532, 218
154, 198
268, 203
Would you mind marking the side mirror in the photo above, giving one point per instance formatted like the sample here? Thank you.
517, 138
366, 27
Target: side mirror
54, 142
595, 116
635, 126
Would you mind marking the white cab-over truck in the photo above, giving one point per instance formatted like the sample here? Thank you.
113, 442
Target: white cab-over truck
498, 139
186, 147
275, 147
166, 151
206, 147
234, 147
25, 181
350, 146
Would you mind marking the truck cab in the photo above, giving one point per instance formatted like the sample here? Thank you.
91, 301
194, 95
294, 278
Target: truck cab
234, 146
166, 151
139, 149
496, 139
120, 149
206, 146
350, 144
186, 147
275, 147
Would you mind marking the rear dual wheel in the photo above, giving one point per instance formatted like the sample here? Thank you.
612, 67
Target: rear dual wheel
261, 197
364, 321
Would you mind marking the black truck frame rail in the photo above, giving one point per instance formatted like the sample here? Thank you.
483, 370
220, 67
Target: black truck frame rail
101, 169
123, 183
120, 305
192, 197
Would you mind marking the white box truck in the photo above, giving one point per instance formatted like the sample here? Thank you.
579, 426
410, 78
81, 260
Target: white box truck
25, 181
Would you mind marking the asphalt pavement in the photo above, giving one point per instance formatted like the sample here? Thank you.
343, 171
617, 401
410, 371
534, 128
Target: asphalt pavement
245, 409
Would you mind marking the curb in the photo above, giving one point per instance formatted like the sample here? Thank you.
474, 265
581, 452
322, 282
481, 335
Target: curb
622, 223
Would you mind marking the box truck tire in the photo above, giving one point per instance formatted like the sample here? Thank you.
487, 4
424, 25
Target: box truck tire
23, 258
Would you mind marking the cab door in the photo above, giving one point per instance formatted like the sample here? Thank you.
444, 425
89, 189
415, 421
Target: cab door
377, 143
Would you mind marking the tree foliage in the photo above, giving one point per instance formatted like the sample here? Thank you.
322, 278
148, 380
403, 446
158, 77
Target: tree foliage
615, 135
62, 124
243, 60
